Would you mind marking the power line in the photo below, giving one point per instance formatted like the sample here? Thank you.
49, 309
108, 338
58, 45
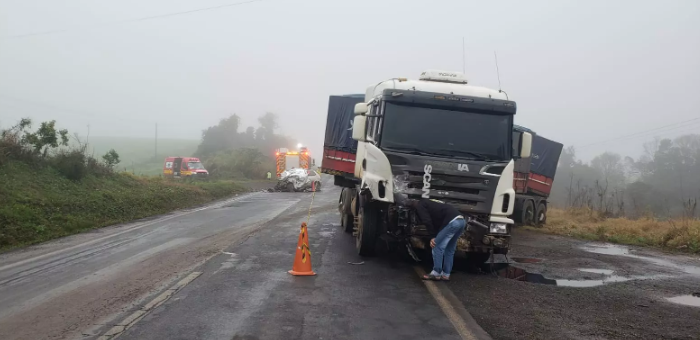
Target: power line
645, 132
160, 16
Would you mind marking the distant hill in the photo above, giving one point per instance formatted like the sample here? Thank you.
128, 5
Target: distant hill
138, 154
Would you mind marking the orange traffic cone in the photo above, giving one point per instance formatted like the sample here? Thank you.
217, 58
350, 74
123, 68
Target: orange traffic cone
302, 260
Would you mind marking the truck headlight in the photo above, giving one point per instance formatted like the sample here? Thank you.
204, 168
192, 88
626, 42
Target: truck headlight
498, 228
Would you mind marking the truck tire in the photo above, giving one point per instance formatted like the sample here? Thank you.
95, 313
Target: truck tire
541, 216
366, 237
347, 220
528, 213
290, 187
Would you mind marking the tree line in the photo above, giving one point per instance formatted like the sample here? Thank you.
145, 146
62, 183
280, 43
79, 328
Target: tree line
663, 182
230, 153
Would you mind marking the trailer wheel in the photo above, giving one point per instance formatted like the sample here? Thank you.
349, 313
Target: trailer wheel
528, 213
541, 214
347, 220
366, 236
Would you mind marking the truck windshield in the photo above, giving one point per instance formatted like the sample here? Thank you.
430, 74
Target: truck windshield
445, 132
195, 166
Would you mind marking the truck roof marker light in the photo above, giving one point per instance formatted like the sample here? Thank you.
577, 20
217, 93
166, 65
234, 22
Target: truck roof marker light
440, 97
467, 100
402, 79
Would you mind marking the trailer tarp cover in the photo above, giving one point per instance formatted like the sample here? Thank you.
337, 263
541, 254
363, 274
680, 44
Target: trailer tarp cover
341, 112
545, 156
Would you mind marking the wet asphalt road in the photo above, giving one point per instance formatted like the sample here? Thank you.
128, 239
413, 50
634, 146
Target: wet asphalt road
232, 259
67, 287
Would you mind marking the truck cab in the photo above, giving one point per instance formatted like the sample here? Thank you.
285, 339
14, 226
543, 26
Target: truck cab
438, 138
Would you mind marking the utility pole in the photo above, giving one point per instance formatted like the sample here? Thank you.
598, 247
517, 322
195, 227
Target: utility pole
155, 157
87, 141
464, 59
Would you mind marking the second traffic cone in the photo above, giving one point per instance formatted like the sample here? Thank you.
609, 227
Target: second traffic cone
302, 260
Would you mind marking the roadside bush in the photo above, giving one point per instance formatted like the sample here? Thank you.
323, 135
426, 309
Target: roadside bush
70, 164
111, 159
13, 145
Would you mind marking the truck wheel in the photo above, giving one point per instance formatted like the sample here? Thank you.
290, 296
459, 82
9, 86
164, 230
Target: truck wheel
528, 213
347, 220
290, 187
541, 214
366, 237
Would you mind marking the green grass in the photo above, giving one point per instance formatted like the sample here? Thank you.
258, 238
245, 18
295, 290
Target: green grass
38, 204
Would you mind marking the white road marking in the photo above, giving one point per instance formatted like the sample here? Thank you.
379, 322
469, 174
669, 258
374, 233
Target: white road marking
139, 314
451, 311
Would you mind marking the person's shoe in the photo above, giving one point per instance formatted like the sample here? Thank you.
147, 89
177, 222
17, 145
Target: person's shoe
431, 277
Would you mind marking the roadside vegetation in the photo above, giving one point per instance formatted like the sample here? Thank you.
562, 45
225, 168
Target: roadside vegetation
49, 189
678, 234
229, 153
651, 200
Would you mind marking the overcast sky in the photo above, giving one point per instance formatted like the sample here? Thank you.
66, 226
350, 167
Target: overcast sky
582, 72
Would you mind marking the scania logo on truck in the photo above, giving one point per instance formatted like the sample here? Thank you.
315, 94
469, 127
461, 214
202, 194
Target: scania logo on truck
447, 74
463, 167
427, 169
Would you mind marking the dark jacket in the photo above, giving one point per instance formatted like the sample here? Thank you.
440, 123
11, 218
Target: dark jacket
435, 215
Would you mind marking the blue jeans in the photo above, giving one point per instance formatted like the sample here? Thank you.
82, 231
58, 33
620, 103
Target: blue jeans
445, 246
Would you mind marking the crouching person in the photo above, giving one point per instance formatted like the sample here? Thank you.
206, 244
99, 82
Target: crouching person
445, 224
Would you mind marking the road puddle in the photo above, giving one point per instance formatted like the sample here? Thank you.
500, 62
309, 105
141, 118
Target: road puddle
514, 273
519, 274
597, 271
613, 249
607, 249
686, 300
525, 260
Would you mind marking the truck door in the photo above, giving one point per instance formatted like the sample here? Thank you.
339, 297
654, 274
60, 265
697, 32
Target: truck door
177, 164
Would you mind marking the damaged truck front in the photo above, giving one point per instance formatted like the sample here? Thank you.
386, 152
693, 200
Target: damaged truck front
436, 137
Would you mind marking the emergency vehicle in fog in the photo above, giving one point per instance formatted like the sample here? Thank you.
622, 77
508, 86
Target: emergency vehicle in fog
184, 167
287, 159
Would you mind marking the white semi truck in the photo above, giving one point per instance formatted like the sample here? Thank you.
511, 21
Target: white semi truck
437, 137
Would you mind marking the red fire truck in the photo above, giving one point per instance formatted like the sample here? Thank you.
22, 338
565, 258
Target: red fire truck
287, 159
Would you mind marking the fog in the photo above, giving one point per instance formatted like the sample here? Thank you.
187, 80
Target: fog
584, 73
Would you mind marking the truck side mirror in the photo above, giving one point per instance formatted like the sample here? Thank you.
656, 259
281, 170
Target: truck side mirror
526, 145
358, 127
361, 108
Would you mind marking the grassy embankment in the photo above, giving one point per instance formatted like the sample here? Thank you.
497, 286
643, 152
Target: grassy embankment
38, 204
673, 234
